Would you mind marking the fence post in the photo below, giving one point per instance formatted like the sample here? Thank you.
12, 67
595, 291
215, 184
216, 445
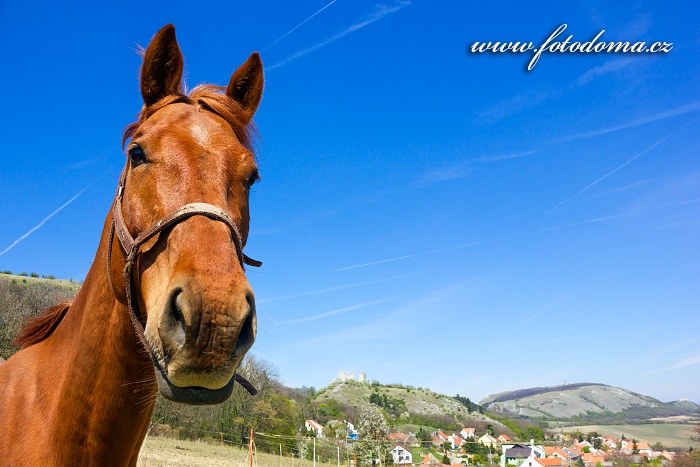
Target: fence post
251, 444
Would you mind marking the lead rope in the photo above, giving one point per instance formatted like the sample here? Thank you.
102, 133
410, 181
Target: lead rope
131, 245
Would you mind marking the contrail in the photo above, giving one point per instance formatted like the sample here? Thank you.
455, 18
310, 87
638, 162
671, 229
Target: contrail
682, 110
297, 26
335, 289
335, 312
407, 256
632, 159
374, 262
383, 11
47, 218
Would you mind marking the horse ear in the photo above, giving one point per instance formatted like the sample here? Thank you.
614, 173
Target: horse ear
246, 85
161, 73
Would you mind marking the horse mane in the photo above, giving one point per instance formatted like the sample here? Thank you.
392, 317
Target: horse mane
208, 97
40, 327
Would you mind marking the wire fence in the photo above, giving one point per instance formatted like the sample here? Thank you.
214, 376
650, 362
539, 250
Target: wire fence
272, 449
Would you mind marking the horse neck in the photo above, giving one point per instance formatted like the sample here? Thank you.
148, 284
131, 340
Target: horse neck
108, 390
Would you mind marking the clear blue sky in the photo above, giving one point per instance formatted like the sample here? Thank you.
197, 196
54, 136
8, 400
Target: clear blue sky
427, 215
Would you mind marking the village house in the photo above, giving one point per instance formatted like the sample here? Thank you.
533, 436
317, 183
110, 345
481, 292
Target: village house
313, 425
431, 460
504, 438
555, 451
644, 449
455, 440
488, 440
401, 455
573, 453
467, 433
350, 430
403, 438
591, 459
515, 454
609, 442
544, 462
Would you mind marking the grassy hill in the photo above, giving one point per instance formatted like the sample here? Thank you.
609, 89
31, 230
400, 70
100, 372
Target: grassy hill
406, 406
50, 281
22, 297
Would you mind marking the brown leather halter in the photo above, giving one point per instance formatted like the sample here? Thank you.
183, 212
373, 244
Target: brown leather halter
130, 246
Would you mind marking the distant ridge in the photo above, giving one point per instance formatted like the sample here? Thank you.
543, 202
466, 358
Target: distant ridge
522, 393
586, 402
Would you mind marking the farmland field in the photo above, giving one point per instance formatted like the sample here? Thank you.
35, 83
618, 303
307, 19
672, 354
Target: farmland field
670, 435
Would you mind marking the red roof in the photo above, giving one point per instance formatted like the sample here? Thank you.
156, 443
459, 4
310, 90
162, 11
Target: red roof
314, 424
549, 461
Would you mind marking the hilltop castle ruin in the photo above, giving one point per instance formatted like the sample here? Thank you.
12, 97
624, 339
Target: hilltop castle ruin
342, 377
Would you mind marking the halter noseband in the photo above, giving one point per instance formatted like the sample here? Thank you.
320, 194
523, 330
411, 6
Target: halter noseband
130, 246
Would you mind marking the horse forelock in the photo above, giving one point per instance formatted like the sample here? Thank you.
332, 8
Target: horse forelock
208, 97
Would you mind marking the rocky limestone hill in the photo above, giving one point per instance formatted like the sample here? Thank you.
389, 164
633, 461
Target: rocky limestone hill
405, 404
587, 401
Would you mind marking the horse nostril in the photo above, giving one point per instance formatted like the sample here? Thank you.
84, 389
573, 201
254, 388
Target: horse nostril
250, 300
174, 307
247, 335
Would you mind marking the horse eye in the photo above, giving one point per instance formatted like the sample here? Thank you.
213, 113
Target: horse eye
137, 156
254, 177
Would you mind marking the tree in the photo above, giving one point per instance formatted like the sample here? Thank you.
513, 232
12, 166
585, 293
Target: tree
302, 449
372, 445
695, 435
534, 432
424, 435
597, 443
691, 459
635, 448
329, 410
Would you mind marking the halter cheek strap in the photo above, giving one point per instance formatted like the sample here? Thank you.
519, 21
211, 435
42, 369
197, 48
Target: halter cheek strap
130, 246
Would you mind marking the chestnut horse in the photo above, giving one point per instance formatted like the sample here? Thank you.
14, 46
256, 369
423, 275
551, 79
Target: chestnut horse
166, 305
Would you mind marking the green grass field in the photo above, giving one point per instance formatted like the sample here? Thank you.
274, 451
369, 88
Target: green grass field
670, 435
162, 452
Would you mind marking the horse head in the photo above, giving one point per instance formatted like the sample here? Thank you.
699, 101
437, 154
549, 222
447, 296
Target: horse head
185, 275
